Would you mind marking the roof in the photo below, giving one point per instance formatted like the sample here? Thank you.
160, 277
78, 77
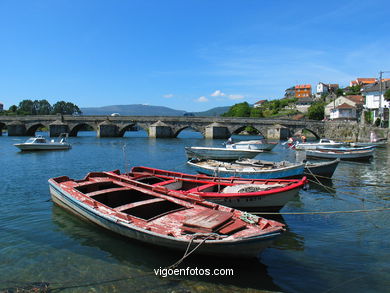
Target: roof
375, 87
345, 106
303, 86
357, 99
260, 102
363, 80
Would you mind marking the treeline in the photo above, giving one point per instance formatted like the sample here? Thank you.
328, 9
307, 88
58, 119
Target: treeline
267, 109
43, 107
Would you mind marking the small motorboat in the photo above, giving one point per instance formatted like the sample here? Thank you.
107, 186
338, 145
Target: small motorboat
324, 142
354, 155
347, 149
167, 218
259, 144
378, 144
39, 143
220, 153
254, 169
321, 169
247, 194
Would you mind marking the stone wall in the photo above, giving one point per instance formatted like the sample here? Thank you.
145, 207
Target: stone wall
352, 131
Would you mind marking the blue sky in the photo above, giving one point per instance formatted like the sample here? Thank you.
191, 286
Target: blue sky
187, 54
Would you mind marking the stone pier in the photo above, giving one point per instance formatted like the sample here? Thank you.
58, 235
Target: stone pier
216, 130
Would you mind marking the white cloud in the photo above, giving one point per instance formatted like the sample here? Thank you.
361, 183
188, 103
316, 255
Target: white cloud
218, 93
202, 99
168, 96
236, 97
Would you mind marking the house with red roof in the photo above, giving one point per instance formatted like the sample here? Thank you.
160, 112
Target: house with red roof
345, 107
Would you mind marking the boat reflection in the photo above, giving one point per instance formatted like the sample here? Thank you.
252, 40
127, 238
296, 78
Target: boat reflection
145, 258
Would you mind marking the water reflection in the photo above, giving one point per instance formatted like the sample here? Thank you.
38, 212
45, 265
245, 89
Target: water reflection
145, 258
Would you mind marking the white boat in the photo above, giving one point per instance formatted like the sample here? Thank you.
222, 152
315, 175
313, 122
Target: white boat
361, 155
254, 169
39, 143
323, 142
220, 153
252, 145
378, 144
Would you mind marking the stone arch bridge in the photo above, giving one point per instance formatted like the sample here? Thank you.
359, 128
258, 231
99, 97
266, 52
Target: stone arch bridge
156, 126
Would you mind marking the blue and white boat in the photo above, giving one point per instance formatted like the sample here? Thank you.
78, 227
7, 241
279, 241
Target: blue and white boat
255, 169
220, 153
352, 155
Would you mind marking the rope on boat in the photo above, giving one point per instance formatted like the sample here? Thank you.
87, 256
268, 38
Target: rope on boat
188, 252
325, 212
344, 181
318, 182
351, 194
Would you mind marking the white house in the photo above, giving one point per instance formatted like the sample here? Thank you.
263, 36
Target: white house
354, 101
343, 112
322, 88
375, 98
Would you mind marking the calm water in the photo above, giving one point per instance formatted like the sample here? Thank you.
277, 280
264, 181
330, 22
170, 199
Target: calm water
41, 243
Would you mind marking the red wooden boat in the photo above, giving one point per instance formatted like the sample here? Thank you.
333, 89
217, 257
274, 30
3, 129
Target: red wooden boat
166, 218
246, 194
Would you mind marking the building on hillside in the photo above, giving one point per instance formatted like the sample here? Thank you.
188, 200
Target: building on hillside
343, 112
356, 102
303, 91
289, 93
298, 91
303, 104
259, 103
323, 89
363, 81
374, 98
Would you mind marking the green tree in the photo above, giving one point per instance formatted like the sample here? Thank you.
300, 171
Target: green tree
26, 107
13, 108
238, 110
316, 111
256, 113
65, 108
43, 107
353, 90
387, 94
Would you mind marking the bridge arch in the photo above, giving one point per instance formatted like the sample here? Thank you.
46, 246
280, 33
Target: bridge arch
241, 128
300, 131
129, 127
177, 131
74, 129
32, 128
2, 126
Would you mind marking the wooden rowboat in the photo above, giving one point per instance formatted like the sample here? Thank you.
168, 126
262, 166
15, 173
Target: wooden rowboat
248, 169
158, 216
246, 194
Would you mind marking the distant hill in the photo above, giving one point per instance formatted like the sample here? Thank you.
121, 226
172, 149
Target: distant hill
213, 112
147, 110
133, 110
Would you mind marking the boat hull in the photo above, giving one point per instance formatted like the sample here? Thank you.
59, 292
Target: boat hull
272, 202
348, 156
220, 153
323, 169
251, 146
249, 247
292, 172
42, 147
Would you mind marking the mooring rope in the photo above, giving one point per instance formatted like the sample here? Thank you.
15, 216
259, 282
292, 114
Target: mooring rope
324, 212
187, 252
